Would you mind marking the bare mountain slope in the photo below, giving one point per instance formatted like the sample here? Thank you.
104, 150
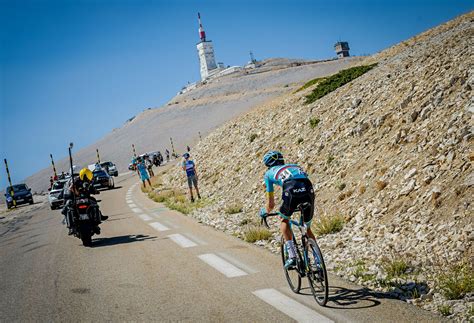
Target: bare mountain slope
199, 110
391, 152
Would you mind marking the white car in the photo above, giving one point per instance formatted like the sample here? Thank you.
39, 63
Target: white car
110, 168
55, 196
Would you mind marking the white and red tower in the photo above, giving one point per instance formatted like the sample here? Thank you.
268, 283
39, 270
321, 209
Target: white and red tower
205, 50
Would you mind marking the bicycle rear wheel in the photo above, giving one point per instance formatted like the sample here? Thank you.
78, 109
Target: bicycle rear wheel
317, 275
292, 275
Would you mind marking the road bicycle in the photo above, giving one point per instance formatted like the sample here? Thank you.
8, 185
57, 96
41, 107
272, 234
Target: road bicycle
309, 260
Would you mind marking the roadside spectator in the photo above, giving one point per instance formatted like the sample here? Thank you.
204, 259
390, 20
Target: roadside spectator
189, 149
51, 182
149, 165
142, 172
190, 168
167, 155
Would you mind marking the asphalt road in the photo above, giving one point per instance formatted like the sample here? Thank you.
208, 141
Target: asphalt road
153, 264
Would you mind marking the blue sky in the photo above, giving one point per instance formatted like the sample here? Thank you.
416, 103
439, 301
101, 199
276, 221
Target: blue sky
103, 61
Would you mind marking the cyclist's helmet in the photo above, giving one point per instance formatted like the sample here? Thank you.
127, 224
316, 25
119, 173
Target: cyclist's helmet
186, 156
273, 158
86, 174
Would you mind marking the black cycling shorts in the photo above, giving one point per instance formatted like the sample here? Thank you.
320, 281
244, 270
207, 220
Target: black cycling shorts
295, 192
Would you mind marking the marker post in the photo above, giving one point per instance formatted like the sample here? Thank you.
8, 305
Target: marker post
12, 192
98, 157
54, 167
172, 146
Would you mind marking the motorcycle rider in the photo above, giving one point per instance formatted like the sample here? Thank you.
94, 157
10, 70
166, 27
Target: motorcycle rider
81, 185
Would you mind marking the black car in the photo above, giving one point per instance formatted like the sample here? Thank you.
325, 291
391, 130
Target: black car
21, 195
103, 180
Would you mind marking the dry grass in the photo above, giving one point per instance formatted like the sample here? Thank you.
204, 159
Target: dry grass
234, 208
172, 198
329, 224
395, 267
256, 233
380, 185
362, 189
456, 281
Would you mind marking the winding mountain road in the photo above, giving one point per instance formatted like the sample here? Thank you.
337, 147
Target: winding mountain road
153, 264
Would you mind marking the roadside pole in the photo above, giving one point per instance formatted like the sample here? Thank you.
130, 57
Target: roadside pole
12, 192
98, 157
134, 152
54, 167
172, 146
72, 171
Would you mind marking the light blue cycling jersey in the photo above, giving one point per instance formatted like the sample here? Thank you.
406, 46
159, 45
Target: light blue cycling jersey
278, 174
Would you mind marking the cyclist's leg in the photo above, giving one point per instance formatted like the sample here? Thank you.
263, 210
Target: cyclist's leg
195, 182
285, 213
190, 185
308, 215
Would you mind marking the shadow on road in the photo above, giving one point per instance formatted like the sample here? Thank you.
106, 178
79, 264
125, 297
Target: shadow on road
103, 242
345, 298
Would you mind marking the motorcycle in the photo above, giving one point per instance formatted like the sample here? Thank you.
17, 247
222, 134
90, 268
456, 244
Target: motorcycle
84, 216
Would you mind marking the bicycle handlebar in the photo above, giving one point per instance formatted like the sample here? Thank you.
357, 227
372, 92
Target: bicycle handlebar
264, 218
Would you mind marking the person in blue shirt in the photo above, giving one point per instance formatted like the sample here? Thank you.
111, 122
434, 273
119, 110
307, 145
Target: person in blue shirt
190, 168
296, 189
142, 172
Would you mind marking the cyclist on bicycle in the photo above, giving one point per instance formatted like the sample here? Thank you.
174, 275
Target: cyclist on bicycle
296, 189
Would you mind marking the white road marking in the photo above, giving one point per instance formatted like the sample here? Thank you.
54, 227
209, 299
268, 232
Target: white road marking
289, 306
222, 265
137, 210
182, 241
132, 205
171, 224
156, 215
198, 240
158, 226
145, 217
237, 262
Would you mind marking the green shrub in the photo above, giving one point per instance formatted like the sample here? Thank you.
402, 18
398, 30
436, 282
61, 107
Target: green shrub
256, 233
444, 310
331, 83
395, 268
234, 208
341, 186
329, 224
252, 137
313, 122
456, 281
310, 83
330, 159
300, 140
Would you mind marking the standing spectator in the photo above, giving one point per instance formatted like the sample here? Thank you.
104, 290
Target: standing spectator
190, 168
189, 149
167, 155
142, 172
51, 182
149, 165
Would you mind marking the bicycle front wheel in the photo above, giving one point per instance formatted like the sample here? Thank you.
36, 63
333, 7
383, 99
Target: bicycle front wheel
292, 275
316, 272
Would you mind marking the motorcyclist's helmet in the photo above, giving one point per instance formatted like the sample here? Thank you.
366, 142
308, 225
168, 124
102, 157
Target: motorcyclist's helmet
273, 158
86, 174
186, 155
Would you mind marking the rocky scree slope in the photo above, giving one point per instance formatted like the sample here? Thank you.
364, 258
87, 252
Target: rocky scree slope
391, 151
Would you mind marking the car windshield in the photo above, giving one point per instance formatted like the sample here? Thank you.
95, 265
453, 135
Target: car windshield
107, 164
18, 188
58, 185
98, 173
